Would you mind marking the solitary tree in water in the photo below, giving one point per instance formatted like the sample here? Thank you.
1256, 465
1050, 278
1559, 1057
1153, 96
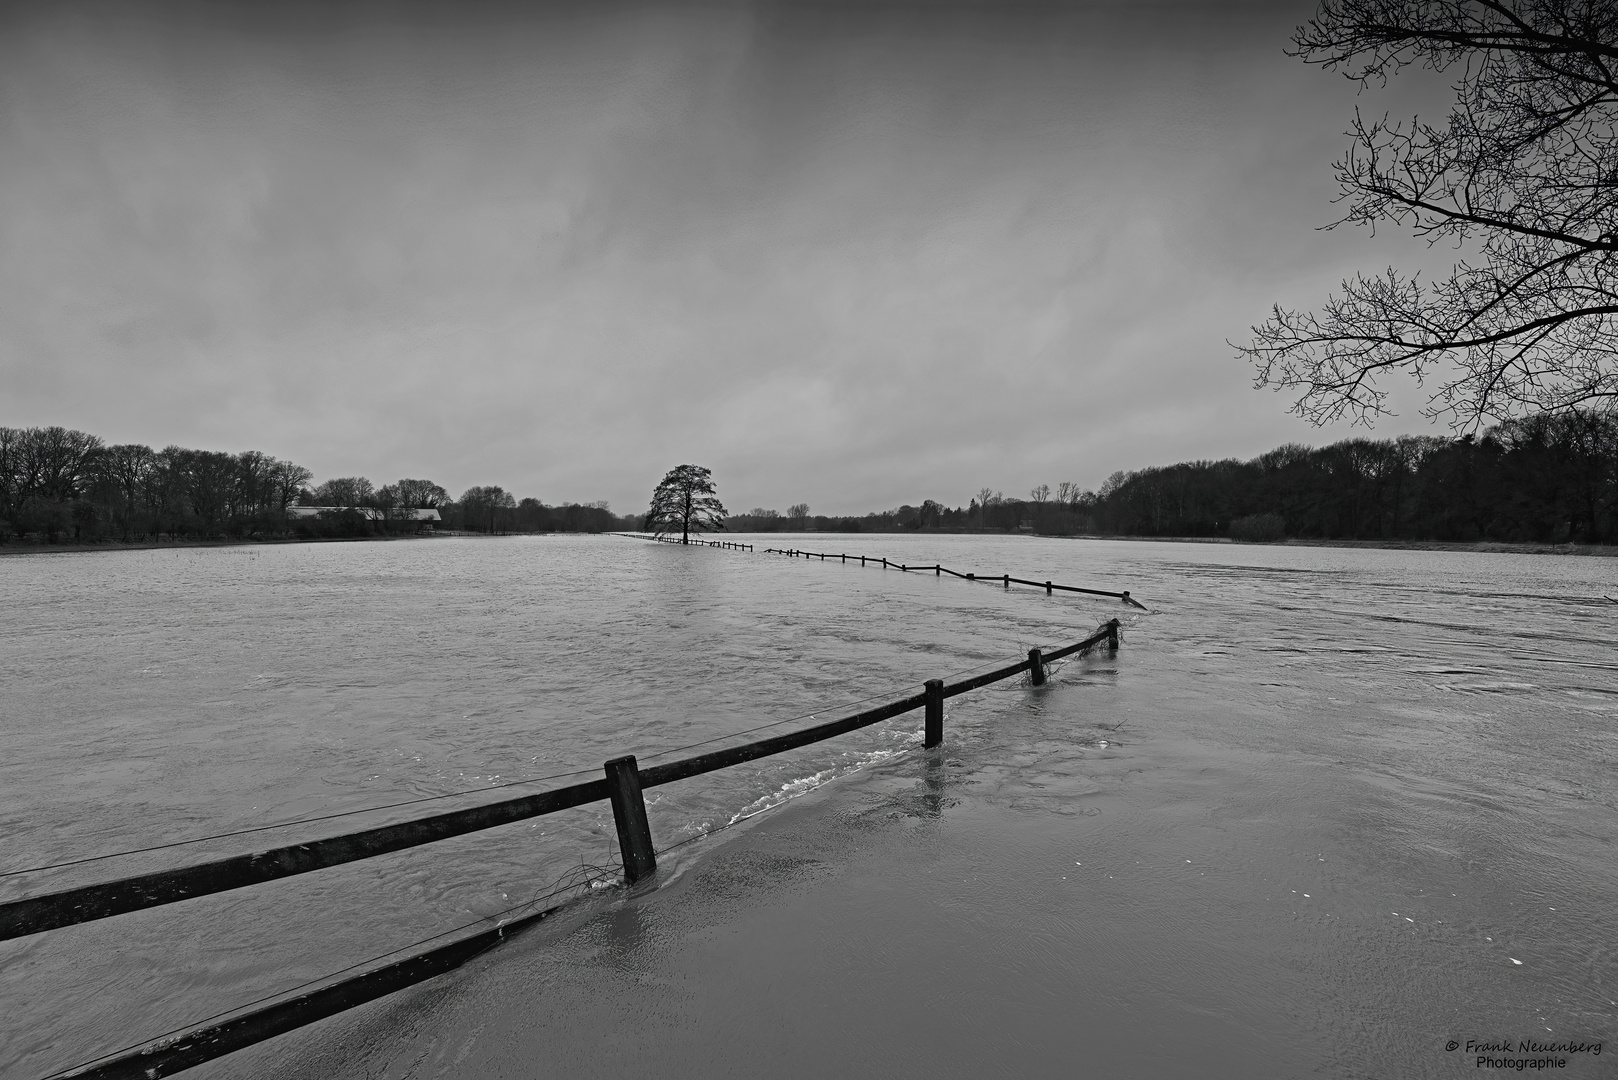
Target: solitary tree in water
684, 502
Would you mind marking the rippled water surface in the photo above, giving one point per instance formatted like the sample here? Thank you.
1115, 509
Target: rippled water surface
1325, 808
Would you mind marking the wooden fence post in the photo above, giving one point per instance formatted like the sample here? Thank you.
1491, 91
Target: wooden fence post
1036, 667
1047, 588
629, 813
1112, 635
1005, 579
938, 571
933, 732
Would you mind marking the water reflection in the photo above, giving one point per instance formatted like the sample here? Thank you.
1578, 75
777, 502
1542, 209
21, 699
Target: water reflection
934, 778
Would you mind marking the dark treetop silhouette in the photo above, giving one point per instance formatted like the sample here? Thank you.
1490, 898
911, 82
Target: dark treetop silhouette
1519, 178
684, 502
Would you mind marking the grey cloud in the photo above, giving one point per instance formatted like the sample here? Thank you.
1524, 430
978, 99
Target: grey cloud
853, 255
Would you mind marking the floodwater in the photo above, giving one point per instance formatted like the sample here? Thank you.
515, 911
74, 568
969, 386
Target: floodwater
1326, 811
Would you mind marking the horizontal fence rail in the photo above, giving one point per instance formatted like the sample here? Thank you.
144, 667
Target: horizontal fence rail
54, 910
622, 786
1005, 580
690, 541
203, 1044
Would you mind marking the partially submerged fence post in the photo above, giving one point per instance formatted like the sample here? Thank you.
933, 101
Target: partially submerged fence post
933, 732
1005, 579
938, 571
629, 814
1047, 588
1112, 635
1036, 667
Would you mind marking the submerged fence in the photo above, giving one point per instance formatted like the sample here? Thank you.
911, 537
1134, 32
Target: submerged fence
691, 541
622, 785
1005, 580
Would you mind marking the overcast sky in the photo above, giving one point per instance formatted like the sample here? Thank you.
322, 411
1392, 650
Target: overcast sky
851, 255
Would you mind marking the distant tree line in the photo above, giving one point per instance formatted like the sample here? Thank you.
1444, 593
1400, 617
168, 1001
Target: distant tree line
494, 510
61, 485
1551, 478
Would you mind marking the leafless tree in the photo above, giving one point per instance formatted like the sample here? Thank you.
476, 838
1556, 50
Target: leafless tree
129, 465
484, 508
286, 480
1521, 178
345, 491
56, 461
418, 494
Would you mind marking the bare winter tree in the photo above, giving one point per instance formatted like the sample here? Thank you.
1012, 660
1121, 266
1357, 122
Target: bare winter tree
423, 494
798, 512
486, 507
1521, 178
56, 460
684, 502
286, 481
345, 491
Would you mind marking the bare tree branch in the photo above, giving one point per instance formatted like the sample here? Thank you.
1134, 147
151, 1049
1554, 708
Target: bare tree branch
1523, 175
